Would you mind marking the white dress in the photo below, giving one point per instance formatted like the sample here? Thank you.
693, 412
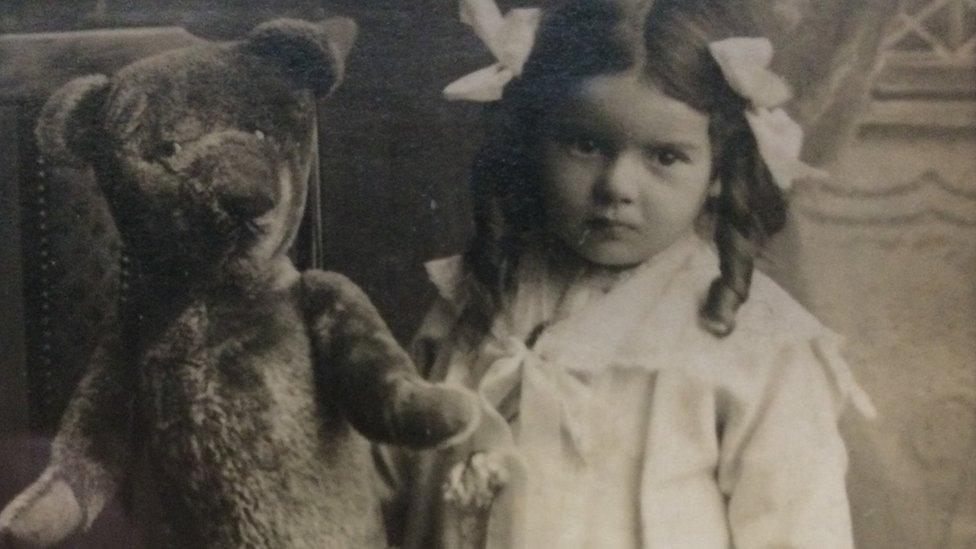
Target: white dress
627, 425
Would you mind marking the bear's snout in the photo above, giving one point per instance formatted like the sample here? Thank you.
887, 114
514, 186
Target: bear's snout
248, 194
240, 171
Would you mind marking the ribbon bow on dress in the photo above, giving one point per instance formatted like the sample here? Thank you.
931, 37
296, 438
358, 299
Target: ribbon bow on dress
521, 391
551, 403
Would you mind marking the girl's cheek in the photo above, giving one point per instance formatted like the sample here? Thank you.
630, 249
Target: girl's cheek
569, 181
688, 183
701, 173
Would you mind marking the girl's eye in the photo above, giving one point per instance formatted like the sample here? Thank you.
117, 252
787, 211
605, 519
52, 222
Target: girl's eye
584, 146
667, 156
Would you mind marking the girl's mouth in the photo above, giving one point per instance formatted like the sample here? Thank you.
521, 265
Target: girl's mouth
605, 229
607, 223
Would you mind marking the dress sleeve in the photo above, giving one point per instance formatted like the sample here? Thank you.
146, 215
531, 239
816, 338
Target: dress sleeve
783, 461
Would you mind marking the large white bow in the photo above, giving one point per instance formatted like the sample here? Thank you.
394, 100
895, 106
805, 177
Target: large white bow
553, 397
552, 407
745, 64
508, 38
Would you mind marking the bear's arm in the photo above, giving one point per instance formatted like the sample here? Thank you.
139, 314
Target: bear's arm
88, 455
370, 374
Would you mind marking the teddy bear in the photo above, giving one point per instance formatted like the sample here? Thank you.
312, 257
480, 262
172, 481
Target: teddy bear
236, 398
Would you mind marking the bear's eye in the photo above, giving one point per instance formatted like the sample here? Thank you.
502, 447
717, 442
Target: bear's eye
255, 130
165, 149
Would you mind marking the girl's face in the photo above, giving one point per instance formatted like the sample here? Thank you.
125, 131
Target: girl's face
625, 170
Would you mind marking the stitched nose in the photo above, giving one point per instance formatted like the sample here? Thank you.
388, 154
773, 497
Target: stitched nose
245, 201
244, 185
238, 169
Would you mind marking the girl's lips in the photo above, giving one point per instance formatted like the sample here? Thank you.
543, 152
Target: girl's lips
602, 223
602, 229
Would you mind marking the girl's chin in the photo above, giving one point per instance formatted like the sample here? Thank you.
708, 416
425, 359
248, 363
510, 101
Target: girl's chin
610, 253
613, 255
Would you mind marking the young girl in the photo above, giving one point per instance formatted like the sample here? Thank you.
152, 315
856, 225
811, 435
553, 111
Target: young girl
641, 386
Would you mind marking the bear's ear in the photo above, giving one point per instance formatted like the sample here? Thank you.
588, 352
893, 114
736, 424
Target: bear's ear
66, 127
314, 54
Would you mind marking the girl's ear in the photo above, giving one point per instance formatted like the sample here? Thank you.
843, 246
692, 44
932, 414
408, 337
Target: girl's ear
66, 127
313, 54
714, 188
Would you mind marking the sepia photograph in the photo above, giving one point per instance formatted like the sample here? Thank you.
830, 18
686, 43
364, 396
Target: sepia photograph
488, 274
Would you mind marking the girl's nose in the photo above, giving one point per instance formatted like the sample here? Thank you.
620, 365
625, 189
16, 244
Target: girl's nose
618, 182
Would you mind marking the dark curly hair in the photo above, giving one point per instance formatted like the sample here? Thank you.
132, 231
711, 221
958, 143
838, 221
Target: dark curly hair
668, 40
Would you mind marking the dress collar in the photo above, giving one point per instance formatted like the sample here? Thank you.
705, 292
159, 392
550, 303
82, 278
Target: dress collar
596, 333
650, 318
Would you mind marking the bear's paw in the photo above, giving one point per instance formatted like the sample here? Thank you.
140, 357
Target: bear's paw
45, 513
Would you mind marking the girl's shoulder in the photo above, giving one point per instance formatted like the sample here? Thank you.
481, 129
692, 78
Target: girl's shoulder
770, 314
774, 332
777, 338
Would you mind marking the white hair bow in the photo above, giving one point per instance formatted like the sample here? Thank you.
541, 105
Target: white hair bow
508, 38
745, 64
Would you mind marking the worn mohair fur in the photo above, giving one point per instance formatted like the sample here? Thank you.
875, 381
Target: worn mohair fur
232, 379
